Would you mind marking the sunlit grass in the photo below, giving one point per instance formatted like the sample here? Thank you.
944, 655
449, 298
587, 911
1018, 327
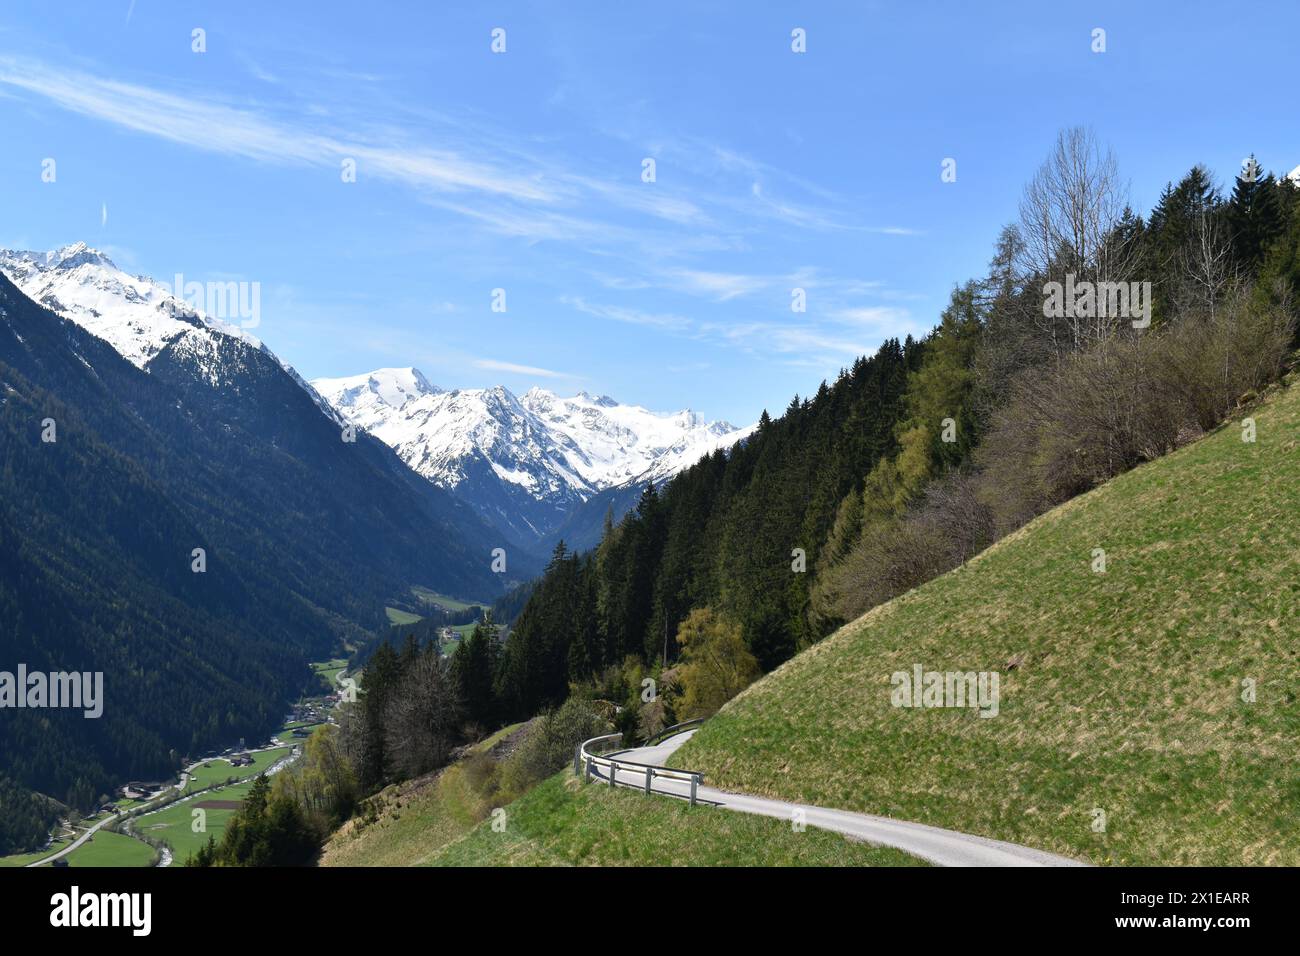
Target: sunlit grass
563, 822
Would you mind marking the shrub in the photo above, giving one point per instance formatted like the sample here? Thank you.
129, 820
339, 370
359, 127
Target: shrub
549, 744
716, 663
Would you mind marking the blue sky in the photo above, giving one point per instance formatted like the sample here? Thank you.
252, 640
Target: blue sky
523, 170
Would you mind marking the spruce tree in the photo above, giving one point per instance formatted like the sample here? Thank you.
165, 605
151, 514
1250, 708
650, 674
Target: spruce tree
1255, 218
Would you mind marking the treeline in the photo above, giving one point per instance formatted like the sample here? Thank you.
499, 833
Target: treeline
1050, 402
409, 719
418, 706
725, 533
920, 456
26, 818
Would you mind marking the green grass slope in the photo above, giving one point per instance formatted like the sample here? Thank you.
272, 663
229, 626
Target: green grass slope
564, 822
1121, 692
415, 819
419, 818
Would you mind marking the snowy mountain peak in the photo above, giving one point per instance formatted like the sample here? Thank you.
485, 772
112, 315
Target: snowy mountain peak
78, 254
390, 387
550, 449
136, 315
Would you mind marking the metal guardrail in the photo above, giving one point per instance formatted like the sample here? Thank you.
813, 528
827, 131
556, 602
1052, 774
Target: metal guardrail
672, 731
585, 762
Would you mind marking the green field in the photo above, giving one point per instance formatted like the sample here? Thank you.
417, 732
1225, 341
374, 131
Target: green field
448, 646
1121, 692
563, 822
396, 616
286, 736
425, 596
218, 770
174, 824
328, 671
22, 859
111, 849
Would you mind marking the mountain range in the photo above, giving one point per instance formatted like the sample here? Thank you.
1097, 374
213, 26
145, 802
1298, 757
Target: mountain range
525, 463
535, 467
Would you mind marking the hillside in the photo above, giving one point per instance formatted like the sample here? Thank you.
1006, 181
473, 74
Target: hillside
414, 821
1121, 692
566, 823
440, 821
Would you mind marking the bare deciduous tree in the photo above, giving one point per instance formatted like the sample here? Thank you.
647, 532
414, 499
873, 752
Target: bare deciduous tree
1069, 216
422, 719
1207, 263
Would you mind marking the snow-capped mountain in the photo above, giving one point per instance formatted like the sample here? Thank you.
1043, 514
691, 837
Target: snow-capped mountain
137, 315
216, 419
523, 461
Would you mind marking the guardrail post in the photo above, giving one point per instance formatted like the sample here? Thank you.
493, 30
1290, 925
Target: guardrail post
695, 782
577, 760
586, 778
613, 772
649, 775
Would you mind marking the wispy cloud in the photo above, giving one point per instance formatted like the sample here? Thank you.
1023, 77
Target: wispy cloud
496, 366
552, 199
719, 285
630, 316
216, 127
872, 315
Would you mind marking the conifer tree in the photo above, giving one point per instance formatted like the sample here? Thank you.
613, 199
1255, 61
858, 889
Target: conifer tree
1255, 216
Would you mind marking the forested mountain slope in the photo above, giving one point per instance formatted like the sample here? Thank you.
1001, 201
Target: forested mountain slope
305, 535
